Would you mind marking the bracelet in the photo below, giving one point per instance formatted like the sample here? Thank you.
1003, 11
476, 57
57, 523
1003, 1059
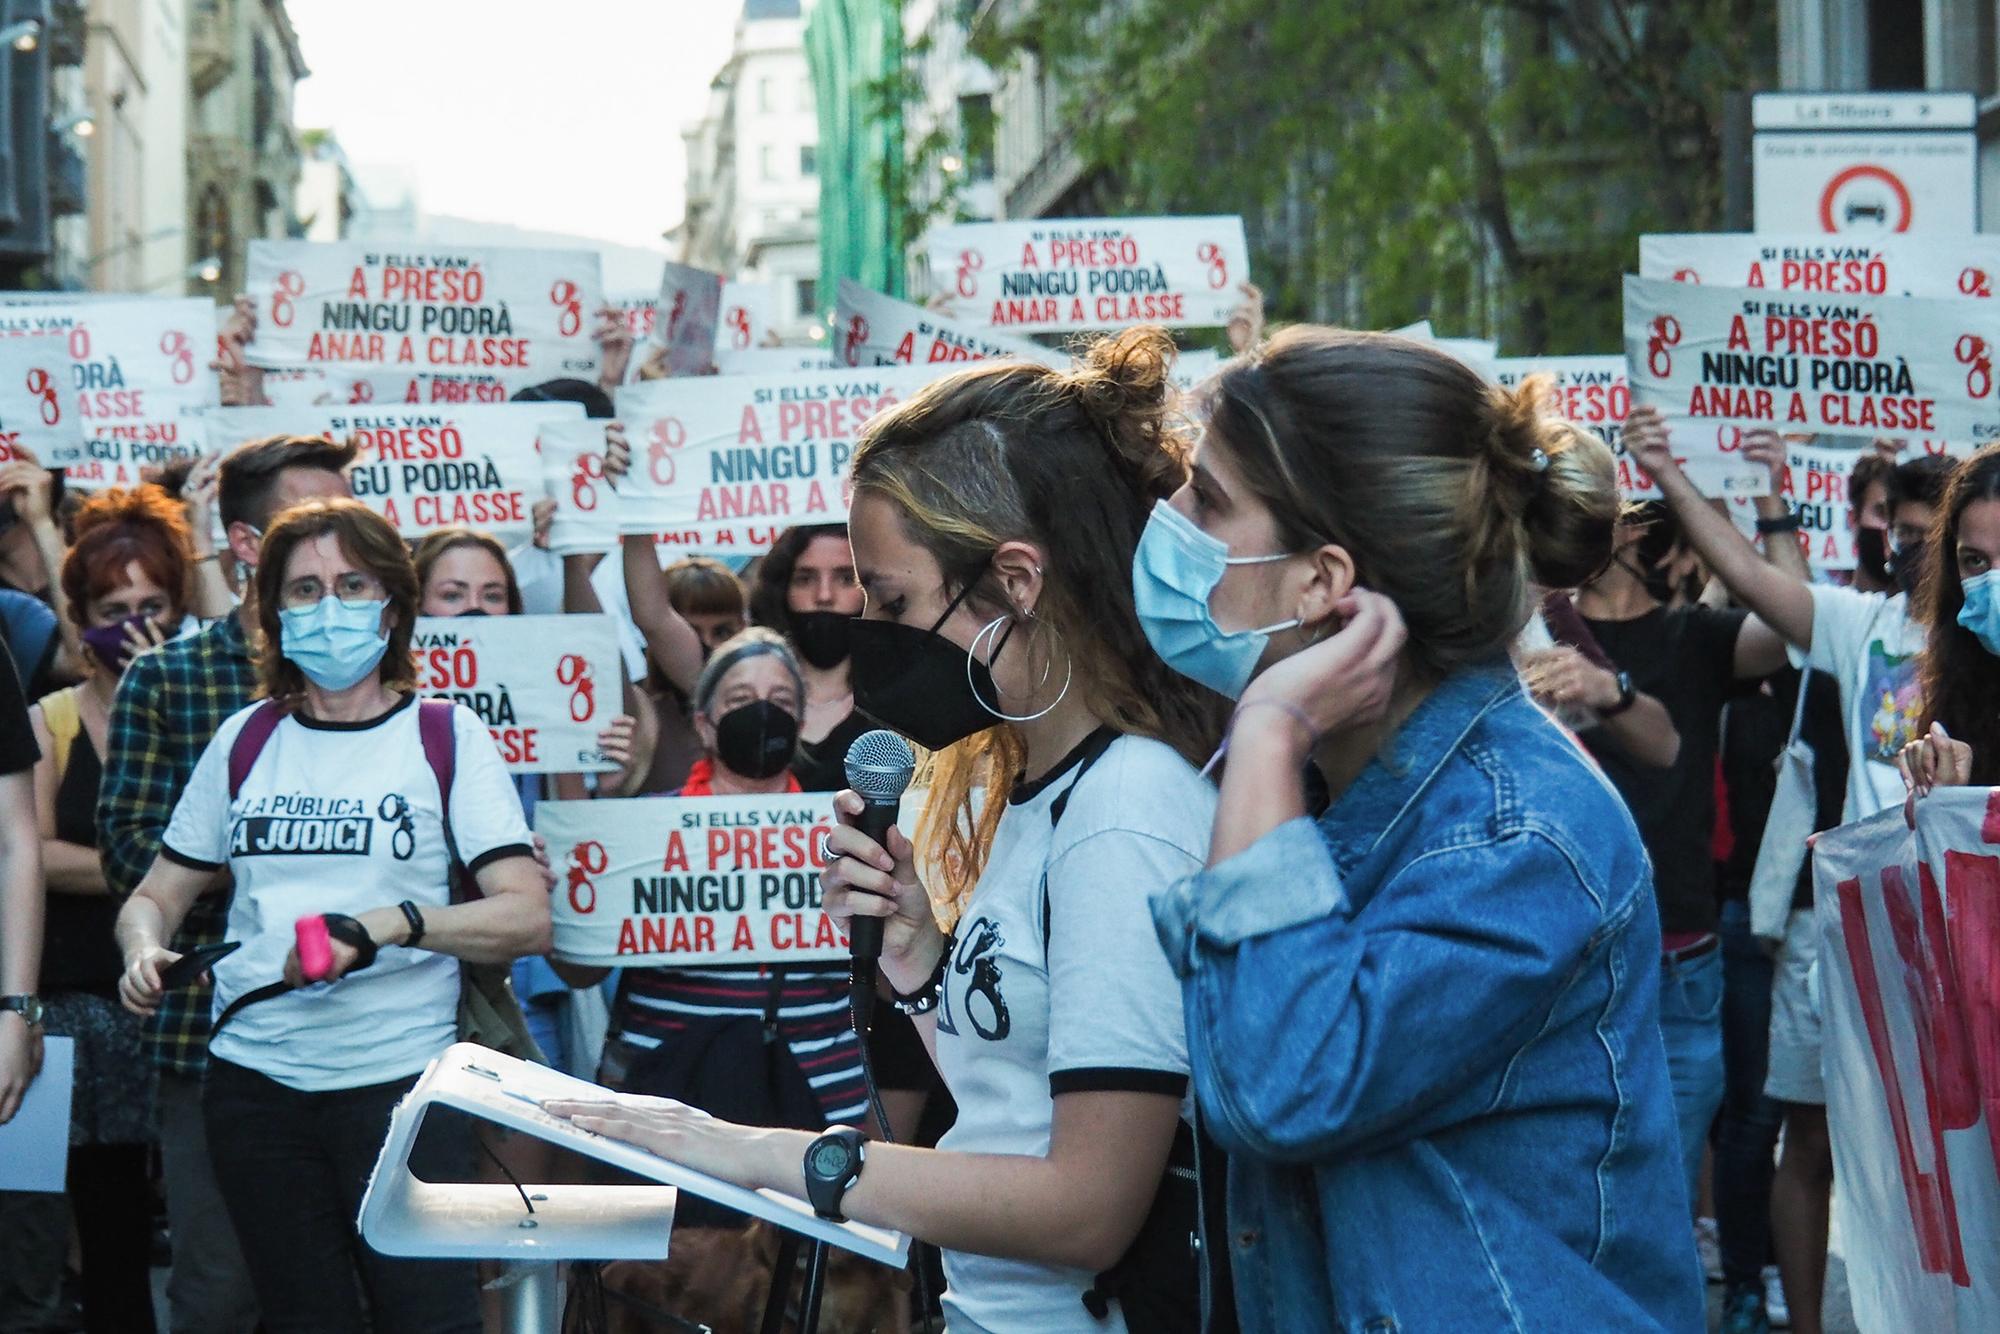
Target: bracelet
207, 555
1790, 522
1312, 733
925, 998
416, 921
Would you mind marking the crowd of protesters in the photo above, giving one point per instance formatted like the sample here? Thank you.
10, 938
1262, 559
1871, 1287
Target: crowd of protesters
1349, 764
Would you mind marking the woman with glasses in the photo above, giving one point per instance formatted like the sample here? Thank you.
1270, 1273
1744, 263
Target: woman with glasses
331, 800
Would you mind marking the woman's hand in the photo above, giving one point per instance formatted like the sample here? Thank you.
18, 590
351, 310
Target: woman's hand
653, 366
1344, 680
1246, 322
690, 1137
614, 348
139, 986
1647, 441
1935, 759
864, 878
344, 955
619, 740
1765, 449
198, 498
1560, 676
20, 1061
543, 516
32, 487
617, 453
142, 635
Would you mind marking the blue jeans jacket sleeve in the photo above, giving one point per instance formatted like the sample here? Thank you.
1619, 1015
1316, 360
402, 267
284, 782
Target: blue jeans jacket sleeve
1314, 1029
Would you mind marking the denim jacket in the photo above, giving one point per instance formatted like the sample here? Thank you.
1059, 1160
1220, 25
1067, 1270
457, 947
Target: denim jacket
1427, 1032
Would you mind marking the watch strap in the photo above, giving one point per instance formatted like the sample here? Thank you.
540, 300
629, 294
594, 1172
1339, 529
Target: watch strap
825, 1193
1627, 696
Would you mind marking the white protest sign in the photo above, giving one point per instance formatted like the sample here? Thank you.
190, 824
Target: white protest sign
1844, 365
314, 386
423, 469
36, 410
1816, 485
545, 686
722, 464
137, 372
523, 315
1060, 274
745, 315
773, 360
690, 881
870, 329
689, 315
1963, 265
586, 517
1910, 990
1191, 367
638, 311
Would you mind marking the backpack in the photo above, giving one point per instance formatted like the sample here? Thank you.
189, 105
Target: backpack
1173, 1279
488, 1013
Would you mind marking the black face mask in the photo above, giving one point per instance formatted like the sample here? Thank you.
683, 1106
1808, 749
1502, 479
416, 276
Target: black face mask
919, 682
756, 740
474, 611
821, 637
1908, 566
1871, 553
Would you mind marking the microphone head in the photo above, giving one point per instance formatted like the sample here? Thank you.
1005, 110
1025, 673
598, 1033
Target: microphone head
879, 765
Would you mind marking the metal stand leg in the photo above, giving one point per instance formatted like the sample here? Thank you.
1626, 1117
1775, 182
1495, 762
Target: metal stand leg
815, 1281
531, 1298
781, 1283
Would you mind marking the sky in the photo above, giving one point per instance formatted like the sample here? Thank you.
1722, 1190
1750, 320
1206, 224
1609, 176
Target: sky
502, 114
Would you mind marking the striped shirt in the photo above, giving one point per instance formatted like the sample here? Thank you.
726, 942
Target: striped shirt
169, 705
657, 1004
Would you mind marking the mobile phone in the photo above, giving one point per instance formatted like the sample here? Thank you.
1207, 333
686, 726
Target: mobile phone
184, 970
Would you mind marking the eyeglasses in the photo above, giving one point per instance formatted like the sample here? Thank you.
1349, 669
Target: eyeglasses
349, 586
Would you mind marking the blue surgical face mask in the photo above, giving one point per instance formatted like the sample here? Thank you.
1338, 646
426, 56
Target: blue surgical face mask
1981, 612
1174, 571
334, 643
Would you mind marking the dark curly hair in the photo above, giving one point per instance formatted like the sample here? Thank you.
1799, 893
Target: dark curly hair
773, 576
1961, 680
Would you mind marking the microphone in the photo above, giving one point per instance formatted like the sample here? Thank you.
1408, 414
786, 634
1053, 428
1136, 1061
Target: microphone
879, 766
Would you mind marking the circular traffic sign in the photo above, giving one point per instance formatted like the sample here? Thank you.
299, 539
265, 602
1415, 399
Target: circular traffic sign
1865, 198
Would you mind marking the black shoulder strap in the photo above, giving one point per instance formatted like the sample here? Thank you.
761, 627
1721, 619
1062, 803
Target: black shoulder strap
1094, 747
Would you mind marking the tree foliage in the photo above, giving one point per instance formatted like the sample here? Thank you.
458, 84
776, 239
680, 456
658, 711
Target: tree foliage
1484, 163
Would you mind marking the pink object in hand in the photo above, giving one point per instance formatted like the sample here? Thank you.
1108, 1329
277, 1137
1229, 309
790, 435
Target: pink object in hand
315, 948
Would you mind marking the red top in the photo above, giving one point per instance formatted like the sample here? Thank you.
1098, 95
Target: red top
701, 780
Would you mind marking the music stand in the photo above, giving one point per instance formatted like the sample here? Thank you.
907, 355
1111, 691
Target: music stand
403, 1216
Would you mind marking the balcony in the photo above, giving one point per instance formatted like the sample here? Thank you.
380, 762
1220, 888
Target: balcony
218, 157
211, 44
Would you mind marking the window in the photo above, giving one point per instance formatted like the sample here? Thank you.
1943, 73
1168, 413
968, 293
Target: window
808, 297
767, 161
808, 159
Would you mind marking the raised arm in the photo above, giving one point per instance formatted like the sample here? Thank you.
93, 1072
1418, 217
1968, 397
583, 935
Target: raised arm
136, 797
1782, 600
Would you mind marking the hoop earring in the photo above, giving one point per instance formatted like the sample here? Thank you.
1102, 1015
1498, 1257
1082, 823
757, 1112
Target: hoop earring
1069, 670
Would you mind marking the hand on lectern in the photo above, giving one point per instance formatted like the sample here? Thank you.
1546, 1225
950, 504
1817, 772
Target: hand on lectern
746, 1155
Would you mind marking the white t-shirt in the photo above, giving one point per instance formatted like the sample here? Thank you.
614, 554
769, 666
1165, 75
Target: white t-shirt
341, 817
1869, 645
1100, 1011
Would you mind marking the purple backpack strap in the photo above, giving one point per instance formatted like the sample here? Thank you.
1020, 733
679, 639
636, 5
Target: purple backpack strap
249, 743
440, 737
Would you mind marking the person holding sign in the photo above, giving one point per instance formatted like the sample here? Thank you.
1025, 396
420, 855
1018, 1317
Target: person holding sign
1436, 1007
342, 809
994, 521
1959, 601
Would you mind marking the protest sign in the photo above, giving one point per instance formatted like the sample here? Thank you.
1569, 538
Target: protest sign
315, 386
773, 360
722, 464
1961, 265
586, 517
689, 315
1896, 366
523, 315
423, 469
1816, 485
1907, 920
745, 315
1052, 275
690, 881
545, 686
870, 329
638, 311
136, 373
37, 412
1191, 367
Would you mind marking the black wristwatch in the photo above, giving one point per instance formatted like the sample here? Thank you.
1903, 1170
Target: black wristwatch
29, 1008
833, 1163
1789, 522
1626, 695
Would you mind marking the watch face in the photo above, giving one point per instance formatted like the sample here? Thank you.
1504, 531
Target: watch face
832, 1160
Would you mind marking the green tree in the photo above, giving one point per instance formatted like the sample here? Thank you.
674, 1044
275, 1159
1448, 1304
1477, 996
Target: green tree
1484, 163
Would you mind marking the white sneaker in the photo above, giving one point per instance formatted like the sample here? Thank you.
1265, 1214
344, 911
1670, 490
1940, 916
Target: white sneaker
1775, 1310
1708, 1245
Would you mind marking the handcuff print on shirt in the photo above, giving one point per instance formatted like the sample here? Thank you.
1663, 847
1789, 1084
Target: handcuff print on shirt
403, 842
978, 955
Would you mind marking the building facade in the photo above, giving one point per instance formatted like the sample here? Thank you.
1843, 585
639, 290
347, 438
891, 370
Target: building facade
753, 194
856, 50
244, 157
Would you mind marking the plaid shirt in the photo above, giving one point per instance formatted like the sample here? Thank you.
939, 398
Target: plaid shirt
169, 706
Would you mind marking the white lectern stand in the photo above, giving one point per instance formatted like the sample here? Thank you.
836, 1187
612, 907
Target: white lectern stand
401, 1215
